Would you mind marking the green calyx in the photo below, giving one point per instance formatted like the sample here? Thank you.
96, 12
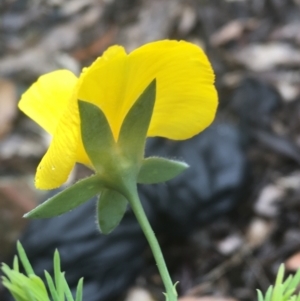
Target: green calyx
117, 162
119, 165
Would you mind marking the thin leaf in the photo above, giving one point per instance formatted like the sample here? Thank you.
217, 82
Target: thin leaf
37, 288
260, 296
269, 293
280, 275
296, 280
18, 295
287, 282
16, 264
68, 199
29, 295
277, 292
51, 286
79, 290
25, 262
67, 290
58, 277
287, 295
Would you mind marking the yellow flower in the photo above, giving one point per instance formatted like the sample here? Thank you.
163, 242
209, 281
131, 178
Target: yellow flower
186, 99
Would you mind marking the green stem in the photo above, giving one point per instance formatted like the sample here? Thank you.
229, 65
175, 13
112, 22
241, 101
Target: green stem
139, 212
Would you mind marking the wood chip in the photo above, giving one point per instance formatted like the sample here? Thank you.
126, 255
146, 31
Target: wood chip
258, 232
230, 244
139, 294
293, 263
8, 105
266, 202
207, 298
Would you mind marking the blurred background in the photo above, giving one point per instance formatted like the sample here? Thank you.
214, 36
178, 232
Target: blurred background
227, 223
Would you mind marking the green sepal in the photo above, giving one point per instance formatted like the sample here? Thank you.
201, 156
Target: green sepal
135, 126
68, 199
110, 210
156, 170
96, 134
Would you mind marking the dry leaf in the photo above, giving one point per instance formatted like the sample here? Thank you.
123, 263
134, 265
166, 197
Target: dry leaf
264, 57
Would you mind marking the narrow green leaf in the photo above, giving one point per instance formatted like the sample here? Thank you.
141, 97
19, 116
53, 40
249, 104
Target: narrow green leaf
157, 170
25, 262
58, 277
16, 263
6, 270
79, 290
16, 292
110, 210
67, 290
295, 281
68, 199
269, 293
287, 294
51, 286
280, 275
136, 123
277, 292
37, 288
259, 295
29, 295
287, 282
96, 134
24, 288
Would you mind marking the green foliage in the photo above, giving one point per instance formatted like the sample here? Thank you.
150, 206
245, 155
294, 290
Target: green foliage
282, 290
30, 287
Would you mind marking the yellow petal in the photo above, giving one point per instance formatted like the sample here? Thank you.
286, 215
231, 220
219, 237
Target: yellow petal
186, 99
46, 100
60, 158
51, 103
104, 84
